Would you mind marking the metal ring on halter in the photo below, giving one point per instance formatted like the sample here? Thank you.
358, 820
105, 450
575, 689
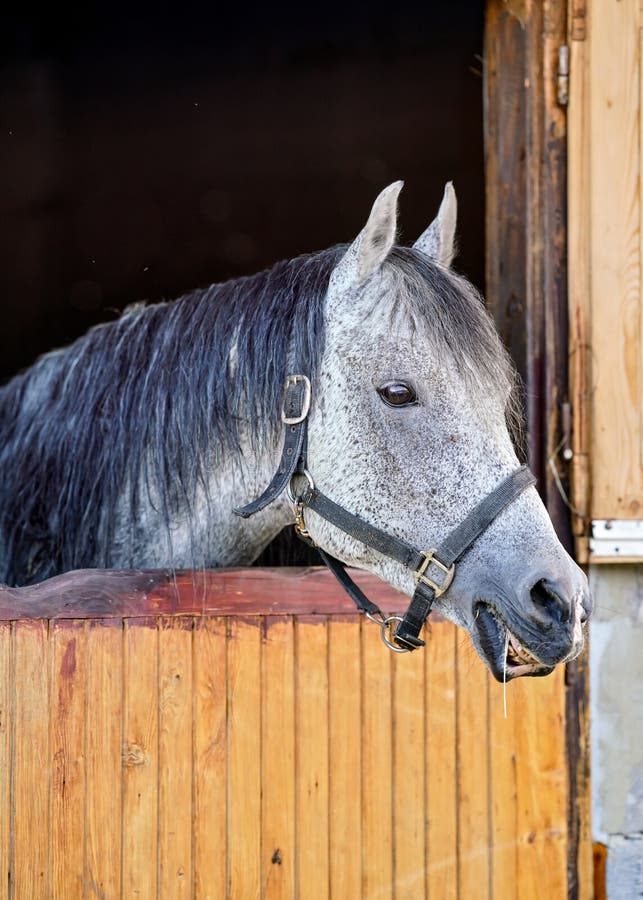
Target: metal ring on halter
289, 491
384, 626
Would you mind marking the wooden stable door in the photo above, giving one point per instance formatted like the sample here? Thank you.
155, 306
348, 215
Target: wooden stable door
605, 208
250, 736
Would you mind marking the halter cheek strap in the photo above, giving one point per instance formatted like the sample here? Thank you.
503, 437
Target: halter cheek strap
433, 570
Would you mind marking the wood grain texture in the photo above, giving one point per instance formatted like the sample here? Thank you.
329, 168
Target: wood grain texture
409, 769
244, 759
474, 838
6, 678
615, 253
274, 756
345, 746
503, 789
103, 749
311, 749
175, 757
111, 593
278, 835
541, 787
68, 741
377, 758
210, 758
140, 758
29, 824
441, 761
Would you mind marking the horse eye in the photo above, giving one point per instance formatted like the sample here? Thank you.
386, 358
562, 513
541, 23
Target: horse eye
397, 393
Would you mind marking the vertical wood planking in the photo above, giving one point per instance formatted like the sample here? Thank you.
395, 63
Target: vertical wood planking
140, 758
278, 759
67, 784
311, 736
5, 755
244, 758
542, 787
473, 762
30, 713
210, 759
441, 760
503, 789
579, 287
409, 768
614, 84
344, 674
175, 756
103, 734
377, 766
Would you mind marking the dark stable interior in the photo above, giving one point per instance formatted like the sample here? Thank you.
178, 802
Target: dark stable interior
148, 150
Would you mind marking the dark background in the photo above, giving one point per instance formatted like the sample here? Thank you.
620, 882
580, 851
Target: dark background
148, 150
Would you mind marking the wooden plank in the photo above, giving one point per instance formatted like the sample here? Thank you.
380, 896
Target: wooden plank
311, 735
6, 690
441, 760
503, 764
377, 766
103, 735
278, 759
107, 593
344, 675
210, 758
615, 101
68, 741
244, 758
29, 826
541, 786
140, 758
175, 757
474, 837
579, 287
580, 865
409, 769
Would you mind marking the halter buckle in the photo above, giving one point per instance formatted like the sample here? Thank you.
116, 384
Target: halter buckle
291, 382
430, 559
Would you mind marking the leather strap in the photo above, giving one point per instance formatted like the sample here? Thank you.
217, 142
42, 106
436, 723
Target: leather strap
432, 578
295, 408
453, 547
433, 569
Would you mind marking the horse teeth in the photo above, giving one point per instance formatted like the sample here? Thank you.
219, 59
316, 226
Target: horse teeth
519, 655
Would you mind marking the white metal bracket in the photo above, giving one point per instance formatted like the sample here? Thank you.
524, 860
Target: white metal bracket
616, 539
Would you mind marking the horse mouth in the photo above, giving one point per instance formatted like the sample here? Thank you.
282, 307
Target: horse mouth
502, 651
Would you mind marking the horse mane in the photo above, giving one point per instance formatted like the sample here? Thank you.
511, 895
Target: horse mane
144, 400
157, 398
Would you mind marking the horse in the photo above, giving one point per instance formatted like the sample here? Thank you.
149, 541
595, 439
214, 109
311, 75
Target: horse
134, 446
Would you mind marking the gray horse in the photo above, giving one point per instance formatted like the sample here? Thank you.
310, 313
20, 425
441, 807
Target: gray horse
132, 447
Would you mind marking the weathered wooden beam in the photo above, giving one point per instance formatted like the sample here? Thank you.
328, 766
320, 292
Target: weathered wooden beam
107, 593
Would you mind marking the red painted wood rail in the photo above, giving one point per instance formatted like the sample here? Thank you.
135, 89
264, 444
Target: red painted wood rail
108, 593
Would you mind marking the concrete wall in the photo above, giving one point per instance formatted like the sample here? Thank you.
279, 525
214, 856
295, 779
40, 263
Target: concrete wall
616, 672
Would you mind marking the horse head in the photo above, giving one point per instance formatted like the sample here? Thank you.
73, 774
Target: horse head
411, 427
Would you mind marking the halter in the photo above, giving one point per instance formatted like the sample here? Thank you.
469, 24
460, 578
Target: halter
433, 570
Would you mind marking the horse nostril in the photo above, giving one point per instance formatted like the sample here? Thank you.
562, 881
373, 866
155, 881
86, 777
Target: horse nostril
548, 600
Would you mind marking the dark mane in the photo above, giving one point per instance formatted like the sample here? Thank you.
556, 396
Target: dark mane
143, 398
139, 411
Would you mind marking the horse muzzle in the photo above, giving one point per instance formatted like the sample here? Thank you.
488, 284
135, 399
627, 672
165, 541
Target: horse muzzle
533, 631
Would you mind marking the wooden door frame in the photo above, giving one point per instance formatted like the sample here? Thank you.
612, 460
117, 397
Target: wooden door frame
525, 123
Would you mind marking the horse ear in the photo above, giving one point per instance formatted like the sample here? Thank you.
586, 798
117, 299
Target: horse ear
438, 241
373, 244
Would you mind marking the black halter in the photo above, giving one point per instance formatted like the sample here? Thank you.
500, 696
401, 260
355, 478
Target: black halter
433, 570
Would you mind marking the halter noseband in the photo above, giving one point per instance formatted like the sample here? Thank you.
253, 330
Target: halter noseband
433, 570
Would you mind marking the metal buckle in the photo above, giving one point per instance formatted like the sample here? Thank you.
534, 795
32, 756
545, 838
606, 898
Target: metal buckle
431, 559
291, 381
